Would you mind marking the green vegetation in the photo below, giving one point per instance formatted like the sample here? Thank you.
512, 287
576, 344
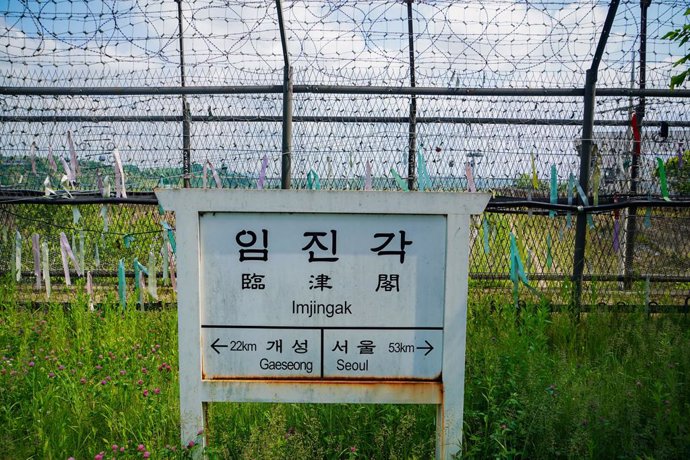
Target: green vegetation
79, 383
681, 35
678, 173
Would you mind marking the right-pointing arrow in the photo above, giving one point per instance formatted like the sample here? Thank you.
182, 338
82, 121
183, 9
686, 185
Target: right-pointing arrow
428, 347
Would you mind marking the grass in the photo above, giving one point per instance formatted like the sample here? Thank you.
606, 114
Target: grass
77, 383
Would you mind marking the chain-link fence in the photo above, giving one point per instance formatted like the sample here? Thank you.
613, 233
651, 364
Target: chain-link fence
101, 102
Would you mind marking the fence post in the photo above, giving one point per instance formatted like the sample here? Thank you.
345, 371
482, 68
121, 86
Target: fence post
186, 112
585, 152
412, 132
631, 223
286, 148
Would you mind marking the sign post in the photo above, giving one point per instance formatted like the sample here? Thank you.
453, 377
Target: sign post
323, 297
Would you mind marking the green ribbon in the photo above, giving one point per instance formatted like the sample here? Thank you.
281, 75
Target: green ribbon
485, 231
517, 270
138, 270
571, 186
313, 181
166, 258
128, 239
152, 284
399, 180
171, 236
647, 218
662, 178
549, 257
121, 283
76, 215
584, 199
423, 179
554, 189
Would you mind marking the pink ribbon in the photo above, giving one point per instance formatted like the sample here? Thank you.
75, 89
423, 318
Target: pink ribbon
65, 264
470, 180
216, 177
51, 159
68, 171
67, 251
73, 155
262, 173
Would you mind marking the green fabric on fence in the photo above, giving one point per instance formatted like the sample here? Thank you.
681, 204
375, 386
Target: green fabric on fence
128, 239
535, 178
583, 197
554, 189
423, 179
76, 215
139, 270
661, 167
571, 186
171, 236
517, 270
313, 181
647, 218
485, 231
514, 268
549, 257
153, 282
399, 180
137, 280
121, 283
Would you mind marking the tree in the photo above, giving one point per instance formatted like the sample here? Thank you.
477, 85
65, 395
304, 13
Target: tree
681, 36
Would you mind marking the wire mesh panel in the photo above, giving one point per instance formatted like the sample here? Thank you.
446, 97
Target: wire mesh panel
102, 102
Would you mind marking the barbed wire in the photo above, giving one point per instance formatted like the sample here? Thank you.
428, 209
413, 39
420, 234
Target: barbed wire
498, 43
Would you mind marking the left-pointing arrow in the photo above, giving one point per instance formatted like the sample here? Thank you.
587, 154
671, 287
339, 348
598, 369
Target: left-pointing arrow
215, 346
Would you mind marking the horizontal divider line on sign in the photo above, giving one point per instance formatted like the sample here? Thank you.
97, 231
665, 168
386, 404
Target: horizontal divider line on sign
373, 328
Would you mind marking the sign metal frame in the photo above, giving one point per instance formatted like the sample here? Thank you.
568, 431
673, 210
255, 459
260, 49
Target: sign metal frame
447, 394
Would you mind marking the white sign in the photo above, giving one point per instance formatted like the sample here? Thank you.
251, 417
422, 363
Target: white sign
323, 297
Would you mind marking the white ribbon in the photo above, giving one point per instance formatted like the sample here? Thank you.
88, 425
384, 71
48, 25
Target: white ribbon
46, 268
120, 190
18, 256
37, 259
